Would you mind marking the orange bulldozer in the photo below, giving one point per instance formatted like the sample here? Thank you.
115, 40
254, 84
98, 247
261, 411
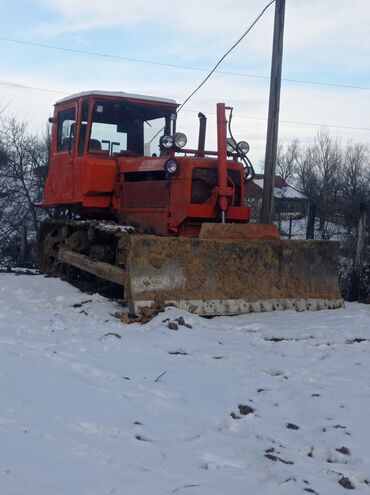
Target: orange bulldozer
169, 223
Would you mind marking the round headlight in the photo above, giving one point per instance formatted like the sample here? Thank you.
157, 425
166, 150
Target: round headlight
170, 166
166, 141
231, 145
180, 140
243, 147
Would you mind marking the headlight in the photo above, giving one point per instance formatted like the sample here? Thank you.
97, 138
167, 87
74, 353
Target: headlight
170, 166
244, 147
166, 141
180, 140
231, 145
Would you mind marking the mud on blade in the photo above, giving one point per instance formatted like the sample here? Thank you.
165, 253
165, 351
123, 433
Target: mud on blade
213, 277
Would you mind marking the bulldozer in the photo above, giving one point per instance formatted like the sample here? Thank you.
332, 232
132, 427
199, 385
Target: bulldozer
168, 223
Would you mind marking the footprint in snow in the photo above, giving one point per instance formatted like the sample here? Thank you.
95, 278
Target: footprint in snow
292, 426
179, 352
244, 410
346, 483
273, 372
143, 439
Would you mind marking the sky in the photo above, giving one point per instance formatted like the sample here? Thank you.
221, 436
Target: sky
326, 42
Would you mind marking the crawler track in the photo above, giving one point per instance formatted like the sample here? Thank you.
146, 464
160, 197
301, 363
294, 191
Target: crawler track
100, 241
204, 276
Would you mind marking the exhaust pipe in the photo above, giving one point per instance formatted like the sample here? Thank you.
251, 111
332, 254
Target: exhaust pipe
202, 134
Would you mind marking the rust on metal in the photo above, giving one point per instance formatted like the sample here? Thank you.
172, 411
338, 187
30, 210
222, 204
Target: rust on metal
173, 270
98, 268
239, 231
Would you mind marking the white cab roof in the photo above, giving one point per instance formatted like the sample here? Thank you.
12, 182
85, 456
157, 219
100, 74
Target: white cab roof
117, 94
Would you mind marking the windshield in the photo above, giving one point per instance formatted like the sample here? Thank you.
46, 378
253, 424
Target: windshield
126, 129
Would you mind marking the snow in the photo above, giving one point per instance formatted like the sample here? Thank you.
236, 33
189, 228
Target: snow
258, 182
113, 227
287, 192
91, 406
117, 94
332, 231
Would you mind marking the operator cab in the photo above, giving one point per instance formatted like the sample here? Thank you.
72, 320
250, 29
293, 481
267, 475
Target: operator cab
114, 124
91, 130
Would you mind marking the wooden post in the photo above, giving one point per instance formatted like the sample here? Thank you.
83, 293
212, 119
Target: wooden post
23, 244
290, 226
310, 230
273, 116
357, 265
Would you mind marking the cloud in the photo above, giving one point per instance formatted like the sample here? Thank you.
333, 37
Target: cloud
198, 20
309, 24
194, 16
248, 97
324, 39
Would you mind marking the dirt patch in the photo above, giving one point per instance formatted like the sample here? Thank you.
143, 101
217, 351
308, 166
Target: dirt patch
244, 409
292, 426
142, 439
346, 483
273, 457
113, 334
79, 305
147, 314
344, 451
225, 269
180, 320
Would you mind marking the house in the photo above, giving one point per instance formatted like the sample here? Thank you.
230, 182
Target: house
287, 199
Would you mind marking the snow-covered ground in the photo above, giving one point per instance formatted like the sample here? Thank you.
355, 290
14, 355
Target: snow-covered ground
331, 231
273, 403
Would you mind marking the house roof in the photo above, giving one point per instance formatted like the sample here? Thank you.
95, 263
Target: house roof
282, 190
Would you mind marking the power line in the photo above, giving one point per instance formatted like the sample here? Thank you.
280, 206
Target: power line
299, 122
226, 54
179, 66
33, 88
248, 117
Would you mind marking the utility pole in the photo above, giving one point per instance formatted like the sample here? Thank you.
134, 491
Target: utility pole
273, 116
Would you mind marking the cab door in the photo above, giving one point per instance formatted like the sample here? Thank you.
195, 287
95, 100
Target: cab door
64, 154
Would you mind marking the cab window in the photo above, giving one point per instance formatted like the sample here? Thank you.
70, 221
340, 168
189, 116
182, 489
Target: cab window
66, 129
126, 129
83, 127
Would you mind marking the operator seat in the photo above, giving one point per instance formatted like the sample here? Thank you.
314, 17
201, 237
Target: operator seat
95, 144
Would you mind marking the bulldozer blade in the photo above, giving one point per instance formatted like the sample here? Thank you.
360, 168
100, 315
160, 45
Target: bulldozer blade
227, 277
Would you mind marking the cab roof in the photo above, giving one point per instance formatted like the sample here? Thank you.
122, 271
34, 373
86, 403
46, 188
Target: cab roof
118, 94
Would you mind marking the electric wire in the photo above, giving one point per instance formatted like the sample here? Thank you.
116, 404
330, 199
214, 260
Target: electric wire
226, 54
247, 117
33, 88
299, 122
180, 66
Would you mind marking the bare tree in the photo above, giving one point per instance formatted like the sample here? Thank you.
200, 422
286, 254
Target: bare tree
355, 184
319, 174
287, 160
21, 155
